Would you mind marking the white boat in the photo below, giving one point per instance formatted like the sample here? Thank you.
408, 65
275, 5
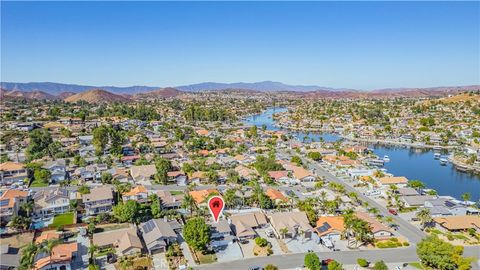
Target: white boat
443, 161
436, 155
386, 158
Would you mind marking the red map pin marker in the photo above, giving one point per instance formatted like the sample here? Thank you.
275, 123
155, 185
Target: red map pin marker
216, 205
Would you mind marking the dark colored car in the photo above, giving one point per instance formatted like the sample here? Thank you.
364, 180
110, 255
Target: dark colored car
111, 258
326, 261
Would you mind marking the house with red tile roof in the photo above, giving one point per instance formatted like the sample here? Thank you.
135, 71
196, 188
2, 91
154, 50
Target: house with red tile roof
10, 202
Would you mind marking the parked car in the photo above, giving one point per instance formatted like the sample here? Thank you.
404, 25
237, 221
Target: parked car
326, 261
255, 268
392, 211
243, 241
270, 233
111, 258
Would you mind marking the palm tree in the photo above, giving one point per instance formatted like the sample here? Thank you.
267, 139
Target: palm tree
92, 249
424, 216
27, 207
466, 197
189, 203
283, 231
230, 198
28, 256
48, 247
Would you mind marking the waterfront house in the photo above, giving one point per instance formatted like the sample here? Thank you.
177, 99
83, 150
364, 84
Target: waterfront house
244, 225
12, 172
10, 202
48, 203
458, 223
417, 200
157, 234
99, 200
124, 240
444, 206
407, 191
399, 181
296, 223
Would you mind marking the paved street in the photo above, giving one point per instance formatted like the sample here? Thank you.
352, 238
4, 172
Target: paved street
405, 228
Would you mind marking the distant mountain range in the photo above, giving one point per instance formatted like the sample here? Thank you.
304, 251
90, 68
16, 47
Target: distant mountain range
265, 86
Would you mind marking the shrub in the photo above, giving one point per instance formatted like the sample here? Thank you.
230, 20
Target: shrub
270, 267
406, 244
362, 262
380, 265
261, 242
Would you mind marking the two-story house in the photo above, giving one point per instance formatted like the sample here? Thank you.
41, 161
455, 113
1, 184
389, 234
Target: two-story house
12, 172
49, 203
57, 169
138, 193
158, 234
10, 202
99, 200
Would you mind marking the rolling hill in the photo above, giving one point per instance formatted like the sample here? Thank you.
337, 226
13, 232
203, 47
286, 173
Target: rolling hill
97, 96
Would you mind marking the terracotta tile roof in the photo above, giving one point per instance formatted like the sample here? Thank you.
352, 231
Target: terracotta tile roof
47, 236
62, 253
198, 174
333, 224
200, 195
136, 190
11, 166
202, 132
300, 173
277, 174
393, 180
459, 222
274, 195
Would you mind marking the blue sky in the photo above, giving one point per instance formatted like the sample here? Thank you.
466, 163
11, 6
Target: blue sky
363, 45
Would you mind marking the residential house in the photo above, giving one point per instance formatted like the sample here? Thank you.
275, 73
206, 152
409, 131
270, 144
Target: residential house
330, 229
198, 177
276, 196
379, 230
85, 140
445, 207
244, 225
245, 173
142, 173
12, 172
125, 240
458, 223
221, 234
61, 257
57, 170
157, 234
138, 194
48, 203
178, 177
399, 181
99, 200
168, 200
10, 257
10, 202
295, 223
303, 175
201, 195
281, 177
417, 200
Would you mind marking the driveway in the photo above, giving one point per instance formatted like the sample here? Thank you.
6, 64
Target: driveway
186, 251
247, 249
83, 256
160, 261
275, 246
229, 252
300, 245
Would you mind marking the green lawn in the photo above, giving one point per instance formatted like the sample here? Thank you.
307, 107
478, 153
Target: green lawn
205, 258
176, 192
36, 183
416, 265
62, 219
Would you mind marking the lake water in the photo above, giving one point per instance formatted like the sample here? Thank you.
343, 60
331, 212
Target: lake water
407, 162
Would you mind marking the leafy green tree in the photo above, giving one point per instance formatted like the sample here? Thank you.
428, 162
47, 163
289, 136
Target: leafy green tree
261, 242
126, 211
314, 156
197, 233
264, 164
416, 184
424, 216
334, 265
438, 254
40, 140
297, 160
84, 190
100, 139
28, 256
380, 265
155, 206
466, 196
163, 167
312, 262
106, 178
362, 262
42, 176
